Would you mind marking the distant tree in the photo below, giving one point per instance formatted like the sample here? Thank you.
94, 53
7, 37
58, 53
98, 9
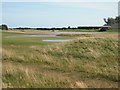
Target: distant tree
68, 27
4, 27
117, 19
109, 21
0, 26
63, 28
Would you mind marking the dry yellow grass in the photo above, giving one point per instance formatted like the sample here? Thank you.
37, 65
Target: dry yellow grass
81, 63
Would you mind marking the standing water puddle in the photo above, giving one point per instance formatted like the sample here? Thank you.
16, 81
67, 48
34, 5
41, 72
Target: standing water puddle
55, 40
41, 35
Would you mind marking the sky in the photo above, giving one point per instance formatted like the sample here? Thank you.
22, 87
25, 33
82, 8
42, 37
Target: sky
59, 0
57, 14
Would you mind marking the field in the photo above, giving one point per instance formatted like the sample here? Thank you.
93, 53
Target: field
86, 61
85, 30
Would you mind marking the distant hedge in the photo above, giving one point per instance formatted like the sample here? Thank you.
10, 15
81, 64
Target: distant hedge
4, 27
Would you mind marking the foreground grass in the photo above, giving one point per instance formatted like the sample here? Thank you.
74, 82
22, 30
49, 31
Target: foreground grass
83, 62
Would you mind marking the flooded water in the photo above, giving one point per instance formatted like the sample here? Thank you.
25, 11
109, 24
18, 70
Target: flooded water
43, 35
55, 40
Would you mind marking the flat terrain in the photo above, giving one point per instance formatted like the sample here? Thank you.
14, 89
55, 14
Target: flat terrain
88, 60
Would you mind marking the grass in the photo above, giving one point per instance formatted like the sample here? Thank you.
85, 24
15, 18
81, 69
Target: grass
85, 62
67, 30
75, 35
6, 33
26, 41
85, 30
79, 30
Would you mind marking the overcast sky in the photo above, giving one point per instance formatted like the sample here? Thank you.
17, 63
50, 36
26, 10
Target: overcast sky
57, 14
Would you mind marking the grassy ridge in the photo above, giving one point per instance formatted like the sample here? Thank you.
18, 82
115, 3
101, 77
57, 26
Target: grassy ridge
85, 30
84, 62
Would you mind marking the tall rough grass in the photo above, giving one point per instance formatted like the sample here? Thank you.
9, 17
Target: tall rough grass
83, 62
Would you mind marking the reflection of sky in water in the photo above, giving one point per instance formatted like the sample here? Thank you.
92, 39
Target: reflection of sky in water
55, 40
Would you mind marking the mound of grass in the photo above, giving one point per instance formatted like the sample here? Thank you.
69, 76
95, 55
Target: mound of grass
83, 62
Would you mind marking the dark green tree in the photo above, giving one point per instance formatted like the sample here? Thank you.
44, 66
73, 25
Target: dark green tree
117, 19
4, 27
0, 26
68, 27
109, 21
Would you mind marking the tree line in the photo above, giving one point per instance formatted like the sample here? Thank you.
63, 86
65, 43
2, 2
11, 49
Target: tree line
108, 22
5, 27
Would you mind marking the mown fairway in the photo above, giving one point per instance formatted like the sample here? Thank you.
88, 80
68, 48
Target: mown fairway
86, 61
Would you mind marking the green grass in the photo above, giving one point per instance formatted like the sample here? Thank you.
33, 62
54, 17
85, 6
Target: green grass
85, 30
112, 30
25, 41
83, 62
5, 33
78, 30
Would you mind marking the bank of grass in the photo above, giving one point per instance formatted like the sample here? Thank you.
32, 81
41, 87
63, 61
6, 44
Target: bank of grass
86, 30
79, 30
76, 35
82, 63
